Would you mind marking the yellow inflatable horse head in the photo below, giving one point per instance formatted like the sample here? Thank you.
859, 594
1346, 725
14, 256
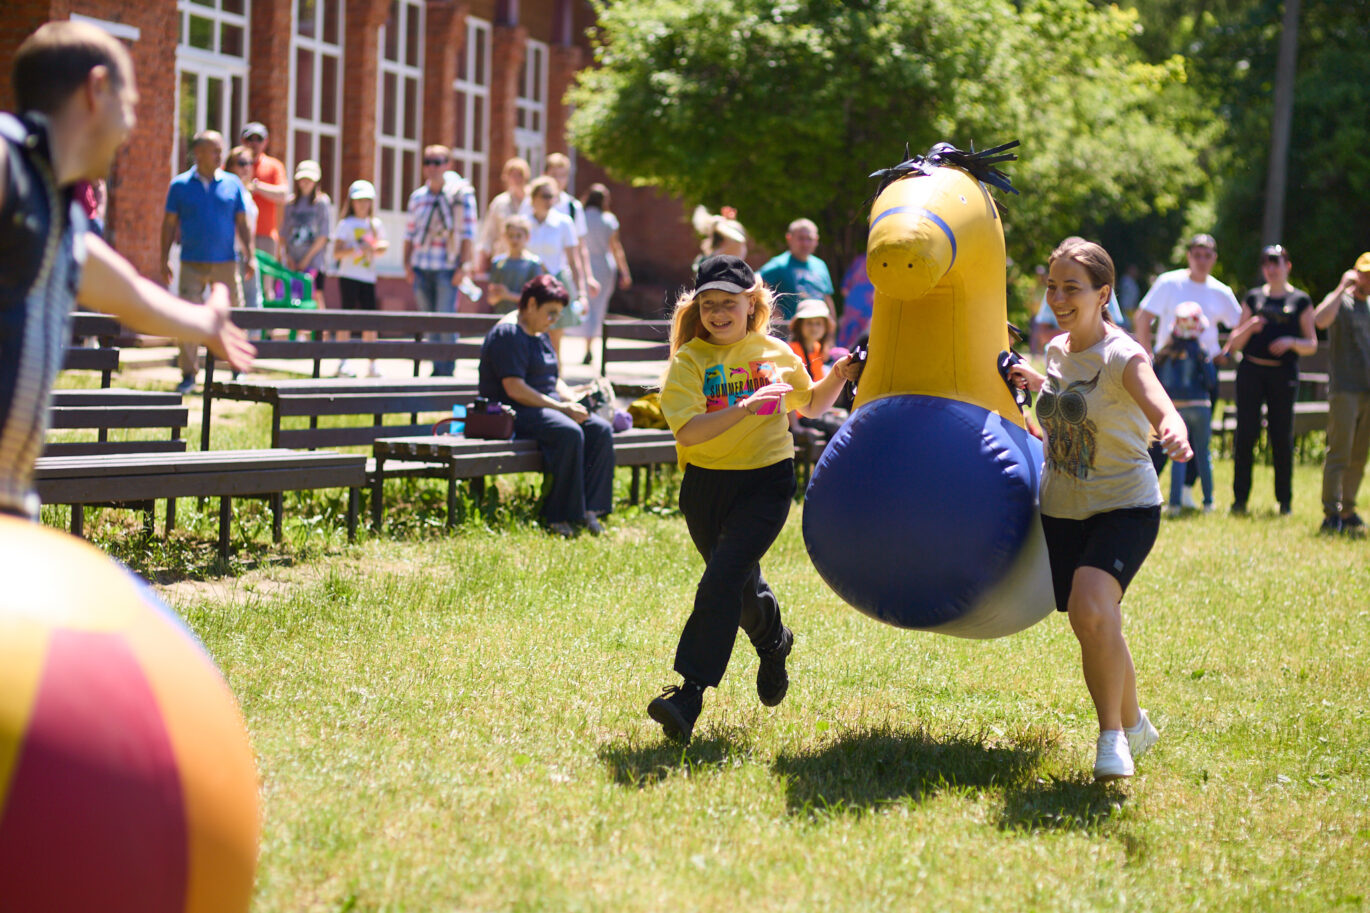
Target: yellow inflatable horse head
936, 259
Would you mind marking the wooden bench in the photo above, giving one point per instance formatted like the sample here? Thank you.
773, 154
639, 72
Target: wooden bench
104, 410
415, 328
144, 477
633, 340
103, 330
457, 458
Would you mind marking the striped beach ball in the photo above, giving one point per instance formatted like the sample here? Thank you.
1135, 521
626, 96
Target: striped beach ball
126, 779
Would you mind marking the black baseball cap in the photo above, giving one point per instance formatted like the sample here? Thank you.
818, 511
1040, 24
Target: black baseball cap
725, 272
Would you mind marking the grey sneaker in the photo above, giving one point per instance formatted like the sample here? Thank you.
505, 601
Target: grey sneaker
592, 525
677, 709
187, 385
1112, 758
1141, 737
772, 681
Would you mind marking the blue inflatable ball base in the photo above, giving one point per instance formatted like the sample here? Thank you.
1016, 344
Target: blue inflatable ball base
922, 513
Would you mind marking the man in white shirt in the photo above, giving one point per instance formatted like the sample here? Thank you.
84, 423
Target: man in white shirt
1173, 288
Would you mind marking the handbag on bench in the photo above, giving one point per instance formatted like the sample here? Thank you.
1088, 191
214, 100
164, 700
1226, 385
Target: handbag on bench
489, 421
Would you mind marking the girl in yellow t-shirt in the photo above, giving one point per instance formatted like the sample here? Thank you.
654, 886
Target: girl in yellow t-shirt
725, 396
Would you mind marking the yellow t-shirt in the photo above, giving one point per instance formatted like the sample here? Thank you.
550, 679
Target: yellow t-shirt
707, 378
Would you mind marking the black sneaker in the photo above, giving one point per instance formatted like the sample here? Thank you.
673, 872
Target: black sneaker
772, 681
1352, 525
677, 709
1238, 509
1331, 525
1285, 509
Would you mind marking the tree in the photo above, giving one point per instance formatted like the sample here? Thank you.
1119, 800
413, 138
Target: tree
783, 107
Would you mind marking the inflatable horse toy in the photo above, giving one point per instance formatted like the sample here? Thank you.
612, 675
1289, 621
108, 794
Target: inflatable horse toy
922, 511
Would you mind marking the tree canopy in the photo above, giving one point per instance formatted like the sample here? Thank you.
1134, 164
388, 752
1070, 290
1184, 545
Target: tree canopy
782, 108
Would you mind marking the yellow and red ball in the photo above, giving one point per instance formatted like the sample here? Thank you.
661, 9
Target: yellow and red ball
126, 779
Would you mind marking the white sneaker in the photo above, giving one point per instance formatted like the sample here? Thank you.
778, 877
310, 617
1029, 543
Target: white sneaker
345, 369
1173, 510
1187, 498
1141, 737
373, 371
1112, 759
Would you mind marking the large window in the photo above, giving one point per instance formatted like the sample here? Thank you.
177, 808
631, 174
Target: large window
530, 108
316, 89
470, 145
211, 72
399, 105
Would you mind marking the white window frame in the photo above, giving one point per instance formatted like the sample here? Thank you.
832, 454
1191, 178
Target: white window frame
530, 107
394, 219
318, 48
206, 65
474, 157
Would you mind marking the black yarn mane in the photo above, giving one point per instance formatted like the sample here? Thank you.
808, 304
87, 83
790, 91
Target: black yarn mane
979, 164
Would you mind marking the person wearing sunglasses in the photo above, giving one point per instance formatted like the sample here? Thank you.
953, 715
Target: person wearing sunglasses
240, 164
1275, 328
438, 239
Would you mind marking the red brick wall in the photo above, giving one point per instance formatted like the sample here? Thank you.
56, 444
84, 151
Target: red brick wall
506, 57
361, 64
138, 180
445, 25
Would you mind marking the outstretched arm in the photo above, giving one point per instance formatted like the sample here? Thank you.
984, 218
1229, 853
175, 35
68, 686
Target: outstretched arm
1139, 379
111, 285
826, 391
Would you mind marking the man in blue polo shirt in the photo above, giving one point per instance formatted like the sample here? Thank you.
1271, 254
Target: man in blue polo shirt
797, 274
207, 207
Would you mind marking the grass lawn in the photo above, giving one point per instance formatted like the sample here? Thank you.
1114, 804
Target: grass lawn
457, 723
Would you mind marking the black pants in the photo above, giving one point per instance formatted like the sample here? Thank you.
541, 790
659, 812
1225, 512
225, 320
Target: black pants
733, 517
1275, 387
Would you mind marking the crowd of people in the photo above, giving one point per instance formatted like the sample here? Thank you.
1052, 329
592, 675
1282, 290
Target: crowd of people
1180, 321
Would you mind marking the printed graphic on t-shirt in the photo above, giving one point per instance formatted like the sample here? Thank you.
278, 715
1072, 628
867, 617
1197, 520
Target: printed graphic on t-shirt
360, 255
1070, 433
727, 385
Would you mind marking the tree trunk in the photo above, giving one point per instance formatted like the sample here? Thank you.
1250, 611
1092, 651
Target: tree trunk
1280, 124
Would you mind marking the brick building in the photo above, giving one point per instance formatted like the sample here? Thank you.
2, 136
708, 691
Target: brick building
361, 86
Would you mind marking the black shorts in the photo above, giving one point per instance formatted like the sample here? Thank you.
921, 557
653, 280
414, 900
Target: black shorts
1116, 542
318, 276
357, 295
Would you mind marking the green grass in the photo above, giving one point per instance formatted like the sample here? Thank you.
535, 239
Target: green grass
456, 722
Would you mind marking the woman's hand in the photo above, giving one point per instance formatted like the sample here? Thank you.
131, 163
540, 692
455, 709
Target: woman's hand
767, 400
1174, 439
1024, 378
576, 412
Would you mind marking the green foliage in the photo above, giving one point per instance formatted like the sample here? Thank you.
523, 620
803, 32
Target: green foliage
783, 109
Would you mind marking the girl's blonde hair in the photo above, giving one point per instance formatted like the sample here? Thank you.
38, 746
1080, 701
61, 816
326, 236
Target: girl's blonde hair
685, 323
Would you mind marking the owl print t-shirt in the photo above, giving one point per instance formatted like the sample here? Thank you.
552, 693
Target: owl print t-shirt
707, 378
1096, 434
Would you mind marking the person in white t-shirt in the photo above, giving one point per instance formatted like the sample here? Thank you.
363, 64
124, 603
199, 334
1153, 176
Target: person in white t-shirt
1195, 283
1174, 288
553, 239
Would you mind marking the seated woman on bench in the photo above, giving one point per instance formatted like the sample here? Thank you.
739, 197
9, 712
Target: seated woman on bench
518, 366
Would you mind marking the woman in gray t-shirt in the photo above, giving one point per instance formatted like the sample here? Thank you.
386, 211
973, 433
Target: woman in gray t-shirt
1101, 502
306, 224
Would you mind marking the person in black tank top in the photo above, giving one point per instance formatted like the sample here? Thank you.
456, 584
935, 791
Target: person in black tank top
1276, 327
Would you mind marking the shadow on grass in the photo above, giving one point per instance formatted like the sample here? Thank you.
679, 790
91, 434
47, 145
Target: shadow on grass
1075, 804
642, 766
860, 771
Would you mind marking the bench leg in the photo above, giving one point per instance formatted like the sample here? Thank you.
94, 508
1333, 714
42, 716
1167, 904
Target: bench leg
149, 519
651, 476
170, 515
634, 490
78, 520
378, 497
354, 496
478, 488
452, 498
277, 517
225, 520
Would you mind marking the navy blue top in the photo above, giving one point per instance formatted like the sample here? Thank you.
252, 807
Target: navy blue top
208, 215
1185, 371
510, 351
